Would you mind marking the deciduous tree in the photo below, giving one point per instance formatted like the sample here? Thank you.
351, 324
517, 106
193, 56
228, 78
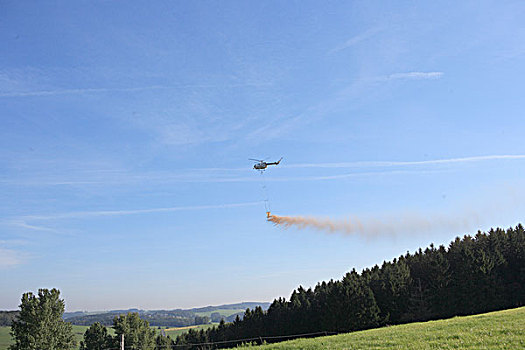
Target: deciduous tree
40, 325
137, 333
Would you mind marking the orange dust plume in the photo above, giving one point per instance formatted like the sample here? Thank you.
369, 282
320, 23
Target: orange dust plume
317, 223
372, 227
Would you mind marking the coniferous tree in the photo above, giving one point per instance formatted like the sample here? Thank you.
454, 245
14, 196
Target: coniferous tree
163, 342
514, 274
475, 274
359, 309
96, 337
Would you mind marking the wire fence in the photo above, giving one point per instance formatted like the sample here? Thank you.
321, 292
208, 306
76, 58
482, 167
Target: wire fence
260, 340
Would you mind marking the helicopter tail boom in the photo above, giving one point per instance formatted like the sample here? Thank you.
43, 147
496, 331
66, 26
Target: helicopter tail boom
275, 163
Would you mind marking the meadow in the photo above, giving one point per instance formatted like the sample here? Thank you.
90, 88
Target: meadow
494, 330
5, 337
174, 332
223, 312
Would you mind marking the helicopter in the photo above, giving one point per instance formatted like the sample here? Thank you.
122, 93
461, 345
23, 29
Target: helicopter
262, 164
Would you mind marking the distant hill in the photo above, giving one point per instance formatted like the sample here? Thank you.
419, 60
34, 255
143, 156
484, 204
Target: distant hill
6, 317
162, 318
232, 317
168, 318
69, 315
238, 306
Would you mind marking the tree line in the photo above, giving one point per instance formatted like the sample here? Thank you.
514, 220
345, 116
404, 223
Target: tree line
7, 317
472, 275
161, 318
40, 326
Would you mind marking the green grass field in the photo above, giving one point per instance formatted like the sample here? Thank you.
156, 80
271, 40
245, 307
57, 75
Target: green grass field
79, 332
495, 330
174, 333
5, 337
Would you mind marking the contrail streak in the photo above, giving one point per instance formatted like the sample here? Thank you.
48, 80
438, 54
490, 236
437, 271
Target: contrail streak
122, 89
370, 228
209, 175
406, 163
87, 214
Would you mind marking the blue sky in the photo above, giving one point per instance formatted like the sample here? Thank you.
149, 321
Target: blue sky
126, 128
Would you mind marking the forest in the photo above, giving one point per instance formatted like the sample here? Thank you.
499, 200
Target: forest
7, 317
474, 274
164, 318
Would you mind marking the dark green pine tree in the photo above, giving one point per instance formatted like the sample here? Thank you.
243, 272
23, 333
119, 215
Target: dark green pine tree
276, 317
330, 297
429, 289
514, 274
474, 274
390, 285
163, 342
358, 308
96, 337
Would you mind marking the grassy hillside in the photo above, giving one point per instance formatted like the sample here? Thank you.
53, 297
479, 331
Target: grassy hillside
163, 318
174, 332
495, 330
224, 312
80, 330
5, 337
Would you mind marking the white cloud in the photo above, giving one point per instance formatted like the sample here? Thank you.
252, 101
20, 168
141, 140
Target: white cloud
273, 129
355, 40
10, 258
23, 224
225, 175
413, 75
77, 91
97, 213
180, 133
34, 82
53, 92
366, 164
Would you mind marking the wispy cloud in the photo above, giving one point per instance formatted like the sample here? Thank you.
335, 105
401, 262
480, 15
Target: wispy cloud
367, 164
285, 125
99, 213
411, 75
123, 89
27, 221
10, 258
76, 91
213, 178
273, 129
23, 224
355, 40
238, 175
